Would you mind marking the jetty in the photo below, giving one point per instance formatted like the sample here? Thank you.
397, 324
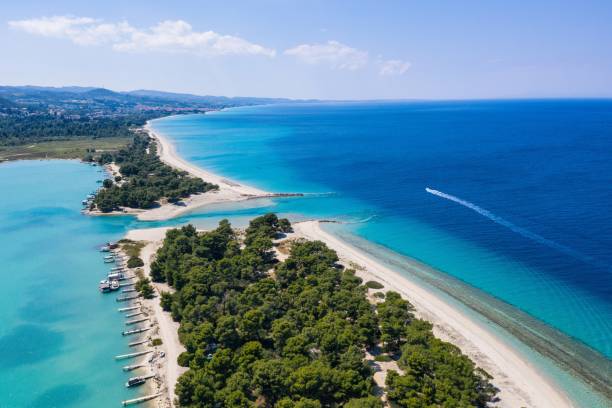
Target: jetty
126, 298
138, 343
136, 321
140, 399
133, 367
134, 314
127, 309
135, 331
132, 355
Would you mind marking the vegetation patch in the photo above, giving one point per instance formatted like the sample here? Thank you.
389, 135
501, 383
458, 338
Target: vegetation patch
156, 342
383, 358
134, 262
143, 286
374, 285
132, 248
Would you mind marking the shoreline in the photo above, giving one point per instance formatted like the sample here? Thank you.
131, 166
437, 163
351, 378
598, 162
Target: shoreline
229, 191
167, 371
519, 382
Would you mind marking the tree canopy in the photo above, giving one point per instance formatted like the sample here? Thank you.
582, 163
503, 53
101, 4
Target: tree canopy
264, 333
145, 178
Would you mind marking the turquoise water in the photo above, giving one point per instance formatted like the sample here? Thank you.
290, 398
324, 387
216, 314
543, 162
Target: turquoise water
522, 214
59, 335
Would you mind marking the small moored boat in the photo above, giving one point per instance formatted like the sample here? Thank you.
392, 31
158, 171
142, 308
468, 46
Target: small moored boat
135, 381
104, 286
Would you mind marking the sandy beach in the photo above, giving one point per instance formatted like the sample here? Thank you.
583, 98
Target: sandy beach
229, 191
168, 371
520, 384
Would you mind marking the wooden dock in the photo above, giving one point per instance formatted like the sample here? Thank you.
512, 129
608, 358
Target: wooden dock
138, 343
135, 331
132, 355
140, 399
127, 309
135, 321
127, 298
133, 367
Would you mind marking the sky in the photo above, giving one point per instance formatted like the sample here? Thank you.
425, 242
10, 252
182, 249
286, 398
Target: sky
428, 49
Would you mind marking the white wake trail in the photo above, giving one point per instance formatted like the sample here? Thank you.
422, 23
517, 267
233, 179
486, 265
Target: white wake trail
501, 221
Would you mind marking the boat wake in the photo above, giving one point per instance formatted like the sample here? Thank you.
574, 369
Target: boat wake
515, 228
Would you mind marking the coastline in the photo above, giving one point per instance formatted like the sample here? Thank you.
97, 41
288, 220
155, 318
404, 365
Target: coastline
229, 191
519, 382
167, 371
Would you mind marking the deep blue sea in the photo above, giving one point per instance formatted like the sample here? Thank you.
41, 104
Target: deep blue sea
509, 198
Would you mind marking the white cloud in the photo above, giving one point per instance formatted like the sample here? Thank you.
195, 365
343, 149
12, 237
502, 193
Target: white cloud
166, 36
333, 53
393, 67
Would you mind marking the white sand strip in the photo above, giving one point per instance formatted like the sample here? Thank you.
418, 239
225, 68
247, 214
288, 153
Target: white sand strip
229, 191
168, 328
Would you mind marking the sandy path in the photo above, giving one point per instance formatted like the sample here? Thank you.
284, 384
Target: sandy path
520, 383
167, 328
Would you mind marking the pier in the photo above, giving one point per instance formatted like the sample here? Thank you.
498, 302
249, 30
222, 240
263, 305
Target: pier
126, 309
138, 343
126, 298
129, 322
140, 399
132, 355
133, 314
135, 331
133, 367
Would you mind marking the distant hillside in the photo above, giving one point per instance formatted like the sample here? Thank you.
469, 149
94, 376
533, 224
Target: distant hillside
74, 96
90, 117
240, 100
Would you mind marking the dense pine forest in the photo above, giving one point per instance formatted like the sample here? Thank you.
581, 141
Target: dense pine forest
18, 129
144, 178
264, 333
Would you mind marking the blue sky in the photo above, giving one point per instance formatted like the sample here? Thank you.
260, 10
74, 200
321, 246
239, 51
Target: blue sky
314, 49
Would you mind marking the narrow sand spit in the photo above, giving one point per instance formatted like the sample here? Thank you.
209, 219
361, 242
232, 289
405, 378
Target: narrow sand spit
228, 190
520, 384
167, 329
